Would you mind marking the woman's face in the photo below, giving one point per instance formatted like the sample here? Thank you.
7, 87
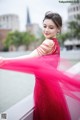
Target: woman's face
49, 29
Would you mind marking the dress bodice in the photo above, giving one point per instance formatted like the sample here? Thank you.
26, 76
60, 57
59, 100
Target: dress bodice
53, 57
56, 46
49, 47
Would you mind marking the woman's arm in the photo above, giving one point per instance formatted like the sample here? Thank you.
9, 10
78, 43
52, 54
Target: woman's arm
43, 49
24, 62
31, 55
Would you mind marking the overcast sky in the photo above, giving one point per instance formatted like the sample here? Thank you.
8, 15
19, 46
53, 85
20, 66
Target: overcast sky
37, 9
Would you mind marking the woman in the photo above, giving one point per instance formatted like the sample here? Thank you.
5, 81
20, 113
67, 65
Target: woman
49, 100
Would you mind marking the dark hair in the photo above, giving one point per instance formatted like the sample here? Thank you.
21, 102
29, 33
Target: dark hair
55, 17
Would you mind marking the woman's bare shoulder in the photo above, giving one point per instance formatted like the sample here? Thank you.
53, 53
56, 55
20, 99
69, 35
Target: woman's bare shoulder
49, 42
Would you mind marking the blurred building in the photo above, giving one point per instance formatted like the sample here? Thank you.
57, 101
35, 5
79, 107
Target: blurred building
72, 44
3, 34
9, 21
73, 11
33, 27
64, 27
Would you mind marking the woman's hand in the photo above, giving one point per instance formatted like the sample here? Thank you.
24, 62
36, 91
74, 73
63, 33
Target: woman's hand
1, 60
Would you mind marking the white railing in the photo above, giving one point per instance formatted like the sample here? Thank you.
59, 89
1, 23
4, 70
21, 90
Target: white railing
23, 110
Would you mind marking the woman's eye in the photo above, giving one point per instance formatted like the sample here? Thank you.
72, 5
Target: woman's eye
51, 28
44, 26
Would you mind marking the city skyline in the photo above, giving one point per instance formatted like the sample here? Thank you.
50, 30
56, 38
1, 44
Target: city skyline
37, 10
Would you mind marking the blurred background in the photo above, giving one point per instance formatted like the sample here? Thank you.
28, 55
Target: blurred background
21, 23
21, 32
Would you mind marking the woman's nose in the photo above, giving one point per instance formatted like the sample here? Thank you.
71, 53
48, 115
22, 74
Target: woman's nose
46, 29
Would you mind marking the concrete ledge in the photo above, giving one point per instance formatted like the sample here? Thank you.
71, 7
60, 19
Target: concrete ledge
21, 110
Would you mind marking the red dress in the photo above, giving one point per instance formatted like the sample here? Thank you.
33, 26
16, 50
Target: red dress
50, 103
51, 84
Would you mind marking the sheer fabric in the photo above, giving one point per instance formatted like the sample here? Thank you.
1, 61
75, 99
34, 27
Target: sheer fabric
47, 47
51, 84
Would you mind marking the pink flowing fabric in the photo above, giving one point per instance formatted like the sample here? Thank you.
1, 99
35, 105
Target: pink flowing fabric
51, 84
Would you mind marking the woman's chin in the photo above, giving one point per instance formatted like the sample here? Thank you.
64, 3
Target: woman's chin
47, 37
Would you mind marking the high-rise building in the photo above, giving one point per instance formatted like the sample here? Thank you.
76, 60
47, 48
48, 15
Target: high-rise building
9, 21
73, 10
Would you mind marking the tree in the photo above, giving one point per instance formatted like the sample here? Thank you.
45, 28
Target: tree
28, 38
62, 37
17, 38
9, 40
73, 31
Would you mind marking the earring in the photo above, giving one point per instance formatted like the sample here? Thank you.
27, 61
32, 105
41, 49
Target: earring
58, 32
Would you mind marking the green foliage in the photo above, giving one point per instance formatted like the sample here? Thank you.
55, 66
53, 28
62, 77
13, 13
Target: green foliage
19, 38
73, 31
9, 40
28, 38
62, 37
42, 38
